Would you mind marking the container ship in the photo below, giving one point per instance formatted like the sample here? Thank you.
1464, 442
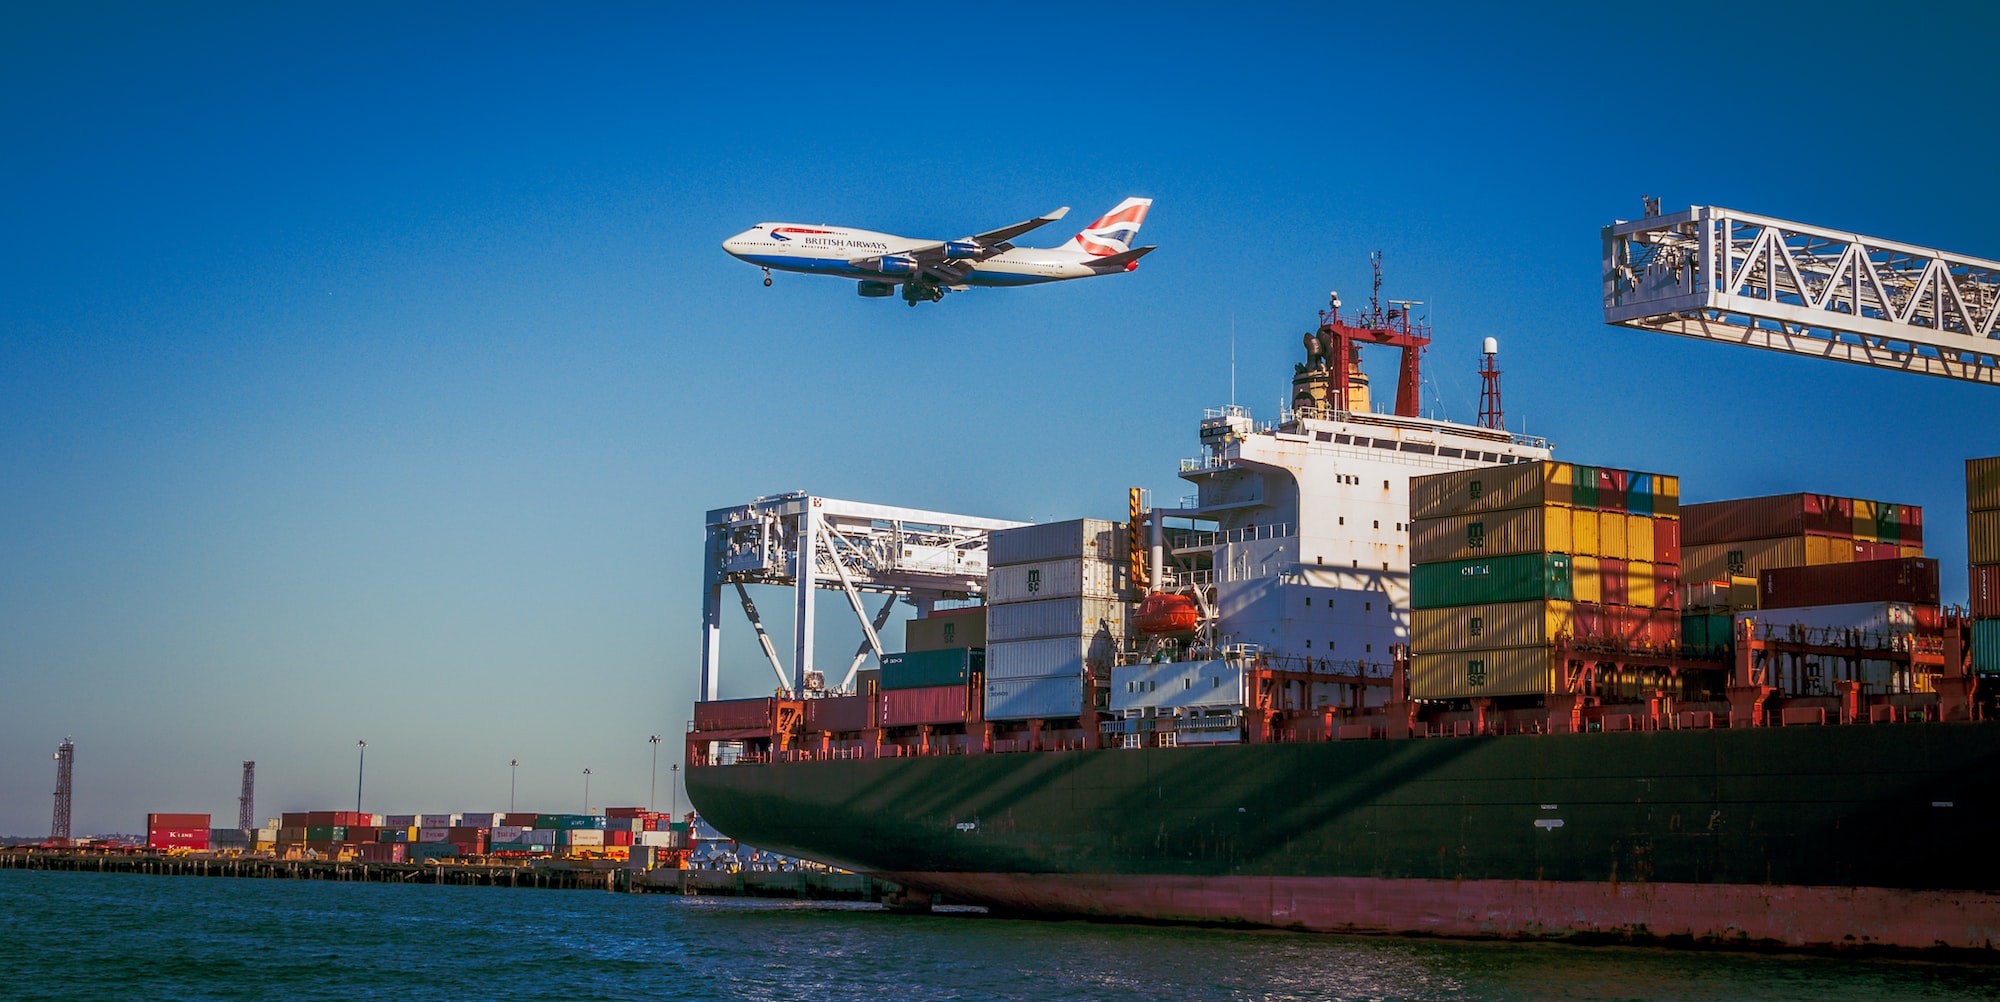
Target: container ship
1384, 673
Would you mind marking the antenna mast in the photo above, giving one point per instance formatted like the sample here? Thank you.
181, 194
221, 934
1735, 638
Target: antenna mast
246, 805
65, 766
1489, 389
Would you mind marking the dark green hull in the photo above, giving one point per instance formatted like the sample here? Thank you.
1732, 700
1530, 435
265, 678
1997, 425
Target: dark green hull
1908, 809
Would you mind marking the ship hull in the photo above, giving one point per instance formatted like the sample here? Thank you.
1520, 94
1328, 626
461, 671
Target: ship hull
1838, 836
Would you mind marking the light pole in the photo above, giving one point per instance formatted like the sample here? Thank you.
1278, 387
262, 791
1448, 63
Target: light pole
513, 770
360, 770
673, 773
653, 798
586, 791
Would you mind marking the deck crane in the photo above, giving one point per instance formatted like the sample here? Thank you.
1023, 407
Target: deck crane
1740, 278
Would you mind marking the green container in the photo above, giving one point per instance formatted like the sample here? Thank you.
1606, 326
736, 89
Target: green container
1526, 577
1888, 528
1707, 632
430, 850
1986, 646
326, 833
922, 669
568, 821
1583, 487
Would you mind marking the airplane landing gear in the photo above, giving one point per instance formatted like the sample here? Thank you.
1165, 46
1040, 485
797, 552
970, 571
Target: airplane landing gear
767, 278
916, 291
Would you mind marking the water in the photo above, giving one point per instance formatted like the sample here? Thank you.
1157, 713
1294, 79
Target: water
79, 935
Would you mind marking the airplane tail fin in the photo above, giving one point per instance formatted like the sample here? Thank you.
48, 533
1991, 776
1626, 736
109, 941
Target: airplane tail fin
1113, 232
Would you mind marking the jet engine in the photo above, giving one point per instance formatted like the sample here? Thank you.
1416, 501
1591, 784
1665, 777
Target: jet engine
962, 248
894, 264
876, 290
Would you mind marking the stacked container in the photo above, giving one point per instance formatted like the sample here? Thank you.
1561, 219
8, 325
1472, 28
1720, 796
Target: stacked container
177, 831
1872, 603
1507, 560
1055, 609
929, 688
1745, 537
1982, 538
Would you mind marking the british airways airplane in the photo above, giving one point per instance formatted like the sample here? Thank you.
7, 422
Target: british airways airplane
927, 269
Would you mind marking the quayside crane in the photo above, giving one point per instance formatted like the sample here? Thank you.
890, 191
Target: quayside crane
1740, 278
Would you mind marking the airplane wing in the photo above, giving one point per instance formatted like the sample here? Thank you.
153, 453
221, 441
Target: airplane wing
985, 244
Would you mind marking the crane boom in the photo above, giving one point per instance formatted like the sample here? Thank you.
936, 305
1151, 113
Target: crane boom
1740, 278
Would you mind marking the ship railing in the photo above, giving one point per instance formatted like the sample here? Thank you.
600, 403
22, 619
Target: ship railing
1197, 463
1243, 534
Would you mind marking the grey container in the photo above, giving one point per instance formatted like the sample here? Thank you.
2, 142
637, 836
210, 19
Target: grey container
1053, 656
1056, 617
1090, 538
1048, 697
1071, 577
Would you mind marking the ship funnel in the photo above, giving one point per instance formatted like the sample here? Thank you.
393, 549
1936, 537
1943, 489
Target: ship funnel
1490, 346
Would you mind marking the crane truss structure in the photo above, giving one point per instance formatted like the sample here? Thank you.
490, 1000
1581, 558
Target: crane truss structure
246, 802
1739, 278
65, 778
900, 553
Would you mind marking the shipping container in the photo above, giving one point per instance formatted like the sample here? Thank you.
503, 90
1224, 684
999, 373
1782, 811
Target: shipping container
1507, 671
1611, 539
1982, 540
1521, 578
1176, 685
1587, 579
1479, 627
507, 833
1911, 519
1986, 592
1611, 485
1707, 631
868, 681
945, 628
1055, 656
1614, 577
580, 837
1986, 646
1493, 534
938, 704
539, 836
1914, 581
1864, 524
524, 820
1750, 557
1654, 494
735, 714
436, 820
1982, 484
1055, 697
1878, 620
326, 833
1627, 626
1666, 541
177, 821
840, 713
437, 850
1766, 518
921, 669
172, 837
1490, 488
384, 852
1639, 538
1091, 538
1057, 617
399, 821
1074, 577
433, 835
479, 820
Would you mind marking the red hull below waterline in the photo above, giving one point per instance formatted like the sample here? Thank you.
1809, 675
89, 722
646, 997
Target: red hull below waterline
1709, 914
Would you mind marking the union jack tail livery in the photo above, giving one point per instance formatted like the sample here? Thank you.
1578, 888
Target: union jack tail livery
1113, 231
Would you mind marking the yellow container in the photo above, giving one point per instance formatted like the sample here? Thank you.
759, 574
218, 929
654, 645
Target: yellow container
1490, 488
1910, 550
1586, 583
1640, 584
1982, 484
1864, 521
1639, 537
1715, 561
1611, 537
1583, 531
1742, 593
1666, 496
1490, 534
1500, 624
1505, 671
1982, 537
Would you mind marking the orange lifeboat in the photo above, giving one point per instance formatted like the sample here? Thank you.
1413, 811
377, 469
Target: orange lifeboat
1164, 614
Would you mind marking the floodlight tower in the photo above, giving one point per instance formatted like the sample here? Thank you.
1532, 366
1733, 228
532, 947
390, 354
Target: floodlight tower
65, 766
1490, 415
246, 804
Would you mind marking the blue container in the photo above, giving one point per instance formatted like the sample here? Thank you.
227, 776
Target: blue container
925, 669
1986, 646
1639, 494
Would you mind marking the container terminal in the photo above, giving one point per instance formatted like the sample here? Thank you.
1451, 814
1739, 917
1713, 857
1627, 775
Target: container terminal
1387, 673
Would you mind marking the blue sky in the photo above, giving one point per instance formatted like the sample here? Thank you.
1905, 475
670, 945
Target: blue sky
365, 371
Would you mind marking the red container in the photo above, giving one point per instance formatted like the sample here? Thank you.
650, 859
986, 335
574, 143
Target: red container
1986, 591
624, 812
1766, 518
176, 821
295, 819
357, 834
1611, 490
840, 713
1615, 576
618, 838
384, 852
1910, 519
174, 837
1913, 580
465, 834
735, 714
1667, 589
517, 820
935, 704
1875, 551
1667, 541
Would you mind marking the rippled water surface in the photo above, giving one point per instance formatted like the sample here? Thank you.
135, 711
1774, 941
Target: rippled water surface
77, 935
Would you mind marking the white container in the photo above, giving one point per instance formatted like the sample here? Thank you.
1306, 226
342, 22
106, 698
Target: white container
437, 821
433, 835
1094, 538
1072, 578
1060, 617
1876, 621
398, 821
478, 820
1054, 697
1175, 686
664, 840
508, 833
585, 836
